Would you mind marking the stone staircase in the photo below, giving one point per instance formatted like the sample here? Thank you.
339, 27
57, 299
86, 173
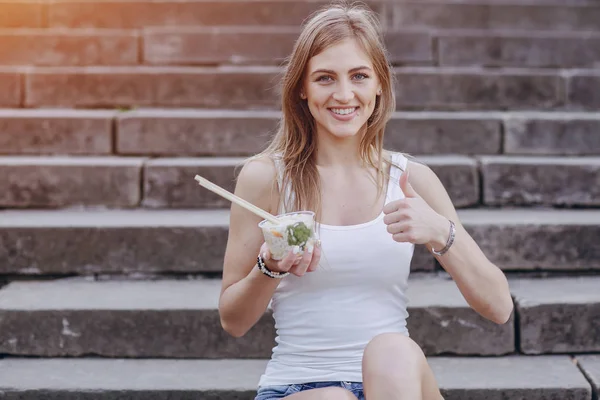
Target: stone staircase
110, 253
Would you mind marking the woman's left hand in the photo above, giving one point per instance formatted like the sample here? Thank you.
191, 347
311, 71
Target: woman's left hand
412, 220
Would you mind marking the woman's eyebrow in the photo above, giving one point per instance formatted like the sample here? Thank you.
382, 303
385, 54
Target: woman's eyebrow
328, 71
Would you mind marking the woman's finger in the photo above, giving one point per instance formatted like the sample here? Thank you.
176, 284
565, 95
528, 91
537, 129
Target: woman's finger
282, 265
316, 257
404, 237
398, 227
300, 268
306, 258
287, 262
265, 253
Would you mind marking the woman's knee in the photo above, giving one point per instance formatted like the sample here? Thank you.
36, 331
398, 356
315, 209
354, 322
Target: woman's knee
391, 353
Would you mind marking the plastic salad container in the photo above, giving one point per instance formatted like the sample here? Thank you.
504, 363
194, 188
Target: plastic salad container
296, 232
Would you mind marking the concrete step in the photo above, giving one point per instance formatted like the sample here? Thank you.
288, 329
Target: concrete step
137, 14
487, 14
176, 45
57, 132
454, 47
37, 242
562, 181
113, 319
558, 315
518, 49
70, 181
247, 87
10, 87
506, 180
260, 45
266, 45
64, 47
507, 378
57, 182
22, 14
496, 15
225, 133
169, 183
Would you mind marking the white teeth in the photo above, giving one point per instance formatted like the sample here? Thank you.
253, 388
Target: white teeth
343, 111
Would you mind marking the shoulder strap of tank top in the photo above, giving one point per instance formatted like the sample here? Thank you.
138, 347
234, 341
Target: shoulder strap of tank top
399, 164
284, 192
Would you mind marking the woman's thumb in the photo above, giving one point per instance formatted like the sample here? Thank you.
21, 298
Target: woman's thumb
406, 187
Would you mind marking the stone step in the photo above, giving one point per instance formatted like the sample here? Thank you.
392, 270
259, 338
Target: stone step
508, 378
112, 319
255, 87
518, 49
225, 133
22, 14
89, 241
137, 14
76, 317
271, 45
496, 15
57, 132
63, 47
234, 133
169, 183
506, 180
558, 315
56, 182
487, 14
39, 182
261, 45
561, 181
11, 81
180, 46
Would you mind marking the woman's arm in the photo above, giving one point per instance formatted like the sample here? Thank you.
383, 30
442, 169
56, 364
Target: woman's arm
482, 284
246, 292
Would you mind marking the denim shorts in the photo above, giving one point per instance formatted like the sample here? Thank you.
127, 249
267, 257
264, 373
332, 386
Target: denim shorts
279, 392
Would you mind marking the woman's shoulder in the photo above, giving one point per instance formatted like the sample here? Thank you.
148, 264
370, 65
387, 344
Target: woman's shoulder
257, 183
258, 172
423, 179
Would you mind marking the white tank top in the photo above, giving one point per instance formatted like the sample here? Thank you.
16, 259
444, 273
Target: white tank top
325, 319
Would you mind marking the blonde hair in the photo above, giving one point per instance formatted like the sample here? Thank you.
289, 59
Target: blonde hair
295, 142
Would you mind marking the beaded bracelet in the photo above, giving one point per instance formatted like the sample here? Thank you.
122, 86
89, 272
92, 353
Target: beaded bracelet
260, 263
448, 243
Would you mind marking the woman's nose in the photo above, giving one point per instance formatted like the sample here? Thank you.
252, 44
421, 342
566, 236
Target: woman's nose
343, 93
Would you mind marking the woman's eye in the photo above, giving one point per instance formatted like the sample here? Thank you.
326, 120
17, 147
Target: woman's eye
361, 76
324, 78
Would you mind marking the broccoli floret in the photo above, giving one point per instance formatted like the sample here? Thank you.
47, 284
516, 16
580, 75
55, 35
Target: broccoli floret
298, 234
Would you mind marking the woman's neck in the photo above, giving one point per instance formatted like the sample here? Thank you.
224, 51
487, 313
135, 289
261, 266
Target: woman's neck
334, 151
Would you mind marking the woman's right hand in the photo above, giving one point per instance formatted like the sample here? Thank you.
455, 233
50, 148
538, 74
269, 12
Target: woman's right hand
292, 263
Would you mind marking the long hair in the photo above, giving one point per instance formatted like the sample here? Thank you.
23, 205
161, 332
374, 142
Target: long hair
295, 140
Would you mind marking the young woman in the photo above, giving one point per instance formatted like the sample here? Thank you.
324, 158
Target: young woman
341, 319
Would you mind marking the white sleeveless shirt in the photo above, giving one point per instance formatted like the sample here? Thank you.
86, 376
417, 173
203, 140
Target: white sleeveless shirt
325, 319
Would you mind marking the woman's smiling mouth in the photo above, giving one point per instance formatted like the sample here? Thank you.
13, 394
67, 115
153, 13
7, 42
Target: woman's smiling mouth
343, 113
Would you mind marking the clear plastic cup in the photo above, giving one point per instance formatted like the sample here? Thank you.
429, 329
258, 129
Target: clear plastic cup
296, 232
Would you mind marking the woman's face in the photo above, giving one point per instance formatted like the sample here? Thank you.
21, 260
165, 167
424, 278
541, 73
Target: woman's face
340, 88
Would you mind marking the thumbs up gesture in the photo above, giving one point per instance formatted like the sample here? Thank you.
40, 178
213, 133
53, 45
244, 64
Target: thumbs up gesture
411, 219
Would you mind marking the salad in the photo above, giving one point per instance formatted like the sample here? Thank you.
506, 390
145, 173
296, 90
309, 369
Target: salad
295, 231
